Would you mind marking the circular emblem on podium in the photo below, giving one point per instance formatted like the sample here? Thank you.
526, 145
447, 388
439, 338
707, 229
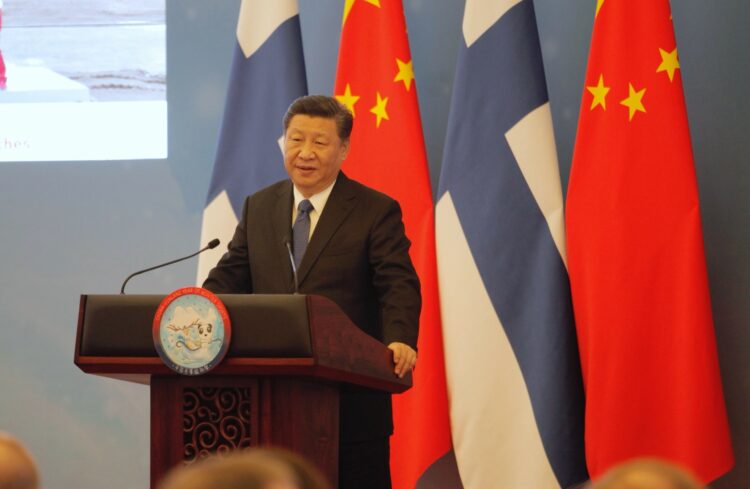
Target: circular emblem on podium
191, 331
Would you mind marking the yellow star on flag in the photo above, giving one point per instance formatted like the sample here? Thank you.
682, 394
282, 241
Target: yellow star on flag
669, 62
350, 3
598, 6
380, 110
599, 91
405, 73
634, 101
348, 99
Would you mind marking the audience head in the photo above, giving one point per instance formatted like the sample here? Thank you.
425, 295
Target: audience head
17, 467
647, 474
251, 469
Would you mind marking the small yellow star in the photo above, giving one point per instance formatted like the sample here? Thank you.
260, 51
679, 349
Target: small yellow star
599, 91
598, 6
380, 109
669, 62
348, 99
348, 4
405, 73
634, 101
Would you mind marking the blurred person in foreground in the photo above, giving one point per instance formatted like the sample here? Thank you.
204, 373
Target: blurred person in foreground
257, 468
647, 473
17, 467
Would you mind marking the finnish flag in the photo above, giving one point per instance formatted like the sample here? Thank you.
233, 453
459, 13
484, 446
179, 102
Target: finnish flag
511, 358
268, 73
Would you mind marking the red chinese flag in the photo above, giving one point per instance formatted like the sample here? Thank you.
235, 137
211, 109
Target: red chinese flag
375, 80
635, 254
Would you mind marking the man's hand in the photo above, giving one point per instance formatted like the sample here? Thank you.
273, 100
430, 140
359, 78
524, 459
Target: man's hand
404, 357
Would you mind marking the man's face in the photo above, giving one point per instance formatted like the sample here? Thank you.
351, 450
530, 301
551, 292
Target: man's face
313, 153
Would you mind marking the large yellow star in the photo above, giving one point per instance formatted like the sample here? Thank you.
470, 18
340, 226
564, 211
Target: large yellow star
599, 91
634, 101
348, 99
405, 73
350, 3
380, 109
669, 62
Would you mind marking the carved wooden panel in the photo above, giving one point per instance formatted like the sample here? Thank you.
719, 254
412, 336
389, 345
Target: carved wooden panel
218, 419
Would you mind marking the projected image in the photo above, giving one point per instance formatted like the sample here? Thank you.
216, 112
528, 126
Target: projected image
82, 80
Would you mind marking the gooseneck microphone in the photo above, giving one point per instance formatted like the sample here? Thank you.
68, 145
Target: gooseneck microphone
288, 243
211, 245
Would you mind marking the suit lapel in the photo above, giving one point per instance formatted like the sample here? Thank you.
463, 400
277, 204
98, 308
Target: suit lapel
282, 226
339, 205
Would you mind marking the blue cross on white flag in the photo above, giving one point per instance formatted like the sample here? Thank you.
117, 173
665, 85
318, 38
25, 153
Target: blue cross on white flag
511, 357
268, 73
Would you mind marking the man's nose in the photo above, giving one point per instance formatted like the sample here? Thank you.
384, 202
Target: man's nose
306, 151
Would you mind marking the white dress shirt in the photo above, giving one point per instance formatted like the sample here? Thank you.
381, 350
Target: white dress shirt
318, 202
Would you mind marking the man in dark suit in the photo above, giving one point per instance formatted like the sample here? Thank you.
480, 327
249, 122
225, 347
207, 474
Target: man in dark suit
349, 245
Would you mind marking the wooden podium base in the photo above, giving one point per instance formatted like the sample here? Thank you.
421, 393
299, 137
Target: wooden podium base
277, 386
193, 417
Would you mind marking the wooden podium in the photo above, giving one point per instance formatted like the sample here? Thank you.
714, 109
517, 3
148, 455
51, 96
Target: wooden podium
278, 384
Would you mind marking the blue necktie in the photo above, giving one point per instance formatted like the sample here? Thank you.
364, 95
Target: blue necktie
301, 230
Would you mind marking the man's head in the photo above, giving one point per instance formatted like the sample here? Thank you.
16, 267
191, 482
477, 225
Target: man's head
325, 107
17, 468
316, 141
647, 474
256, 468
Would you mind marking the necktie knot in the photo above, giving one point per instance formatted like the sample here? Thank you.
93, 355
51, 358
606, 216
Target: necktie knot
305, 206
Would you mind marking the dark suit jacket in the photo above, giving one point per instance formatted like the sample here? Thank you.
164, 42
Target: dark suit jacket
358, 256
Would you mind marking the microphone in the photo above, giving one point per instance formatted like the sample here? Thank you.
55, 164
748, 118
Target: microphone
288, 243
211, 245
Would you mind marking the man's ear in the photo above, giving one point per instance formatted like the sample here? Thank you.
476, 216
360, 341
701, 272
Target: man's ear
345, 149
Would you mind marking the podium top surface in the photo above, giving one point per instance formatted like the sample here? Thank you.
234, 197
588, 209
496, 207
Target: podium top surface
301, 335
263, 325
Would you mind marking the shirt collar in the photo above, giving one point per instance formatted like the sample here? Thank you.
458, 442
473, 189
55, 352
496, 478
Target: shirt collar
317, 200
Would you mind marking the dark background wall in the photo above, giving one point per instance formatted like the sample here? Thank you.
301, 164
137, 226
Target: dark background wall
80, 227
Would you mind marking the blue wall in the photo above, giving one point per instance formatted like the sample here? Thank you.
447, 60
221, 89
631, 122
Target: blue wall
72, 228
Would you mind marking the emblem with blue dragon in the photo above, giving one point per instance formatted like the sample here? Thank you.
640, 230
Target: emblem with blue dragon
191, 331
